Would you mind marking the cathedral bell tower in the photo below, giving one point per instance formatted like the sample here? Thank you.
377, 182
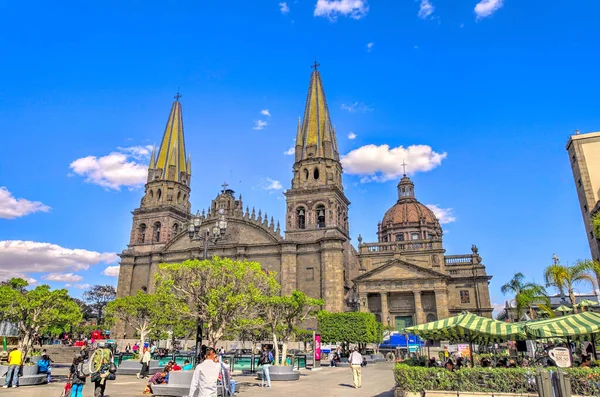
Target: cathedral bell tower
316, 203
165, 207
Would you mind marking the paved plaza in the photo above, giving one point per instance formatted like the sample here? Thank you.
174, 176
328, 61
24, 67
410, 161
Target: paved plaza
378, 380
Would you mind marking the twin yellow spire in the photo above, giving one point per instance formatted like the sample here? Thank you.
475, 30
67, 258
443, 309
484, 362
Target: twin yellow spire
316, 136
170, 163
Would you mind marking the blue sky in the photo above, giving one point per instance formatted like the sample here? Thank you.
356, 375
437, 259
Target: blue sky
492, 91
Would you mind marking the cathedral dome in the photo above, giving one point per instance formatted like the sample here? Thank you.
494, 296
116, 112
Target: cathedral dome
408, 219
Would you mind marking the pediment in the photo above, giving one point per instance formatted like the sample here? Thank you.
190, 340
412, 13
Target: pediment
399, 270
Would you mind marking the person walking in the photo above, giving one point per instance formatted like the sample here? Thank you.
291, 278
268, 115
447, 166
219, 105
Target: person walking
14, 364
266, 358
356, 361
206, 375
145, 360
77, 377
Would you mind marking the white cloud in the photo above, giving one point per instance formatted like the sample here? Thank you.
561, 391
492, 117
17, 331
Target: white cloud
259, 125
265, 112
351, 135
272, 184
125, 167
12, 207
291, 151
19, 258
66, 277
283, 7
356, 106
370, 46
331, 9
485, 8
78, 286
444, 215
426, 9
112, 271
498, 308
382, 163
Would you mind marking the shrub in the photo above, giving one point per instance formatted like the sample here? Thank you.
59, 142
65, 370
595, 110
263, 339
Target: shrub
584, 381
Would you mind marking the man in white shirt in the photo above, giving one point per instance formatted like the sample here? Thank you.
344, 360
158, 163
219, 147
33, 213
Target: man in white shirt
356, 361
204, 382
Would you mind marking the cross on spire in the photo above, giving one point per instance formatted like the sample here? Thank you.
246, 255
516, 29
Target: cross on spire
315, 65
224, 185
404, 166
177, 96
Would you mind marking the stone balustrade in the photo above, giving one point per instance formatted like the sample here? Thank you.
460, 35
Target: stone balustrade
401, 246
458, 259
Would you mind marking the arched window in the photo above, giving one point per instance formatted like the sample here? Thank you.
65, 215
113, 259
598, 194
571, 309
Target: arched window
175, 229
305, 174
301, 217
316, 173
158, 194
178, 197
151, 193
415, 236
320, 215
156, 233
400, 237
431, 317
141, 233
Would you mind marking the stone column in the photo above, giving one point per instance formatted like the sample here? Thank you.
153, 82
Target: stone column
288, 269
420, 316
441, 303
332, 277
384, 308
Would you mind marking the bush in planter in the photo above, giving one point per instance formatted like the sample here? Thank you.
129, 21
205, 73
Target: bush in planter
584, 381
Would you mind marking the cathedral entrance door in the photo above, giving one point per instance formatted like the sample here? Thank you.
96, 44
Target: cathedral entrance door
403, 322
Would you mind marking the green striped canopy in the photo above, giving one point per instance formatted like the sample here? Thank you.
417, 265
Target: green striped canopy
586, 303
585, 323
563, 308
469, 328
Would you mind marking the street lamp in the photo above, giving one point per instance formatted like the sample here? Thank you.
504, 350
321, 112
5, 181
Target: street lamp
217, 233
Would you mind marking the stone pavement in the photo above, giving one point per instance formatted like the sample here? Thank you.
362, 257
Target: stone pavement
378, 381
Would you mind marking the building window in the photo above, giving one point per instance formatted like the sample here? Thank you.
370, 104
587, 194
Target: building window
301, 218
175, 229
305, 174
316, 173
579, 183
142, 233
430, 236
415, 236
156, 233
592, 235
158, 194
585, 209
464, 297
320, 215
310, 273
573, 158
384, 239
400, 237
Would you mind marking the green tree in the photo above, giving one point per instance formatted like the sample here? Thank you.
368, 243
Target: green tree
283, 314
349, 327
564, 278
141, 311
596, 225
219, 292
36, 310
97, 297
526, 295
592, 266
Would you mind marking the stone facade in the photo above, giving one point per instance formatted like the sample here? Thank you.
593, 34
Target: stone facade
404, 278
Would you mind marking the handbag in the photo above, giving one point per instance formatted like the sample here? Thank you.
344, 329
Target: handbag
67, 390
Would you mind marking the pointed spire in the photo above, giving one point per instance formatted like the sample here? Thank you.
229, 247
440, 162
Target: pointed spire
153, 158
253, 214
272, 224
172, 147
278, 229
316, 136
259, 219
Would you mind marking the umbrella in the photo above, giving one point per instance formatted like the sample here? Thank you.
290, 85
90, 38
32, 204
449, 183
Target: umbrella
468, 327
563, 308
587, 303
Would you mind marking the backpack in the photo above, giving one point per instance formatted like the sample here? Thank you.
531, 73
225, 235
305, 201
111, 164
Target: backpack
270, 357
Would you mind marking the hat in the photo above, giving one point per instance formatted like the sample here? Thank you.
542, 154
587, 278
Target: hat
355, 348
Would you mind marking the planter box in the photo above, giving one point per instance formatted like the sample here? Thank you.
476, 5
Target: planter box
279, 373
445, 393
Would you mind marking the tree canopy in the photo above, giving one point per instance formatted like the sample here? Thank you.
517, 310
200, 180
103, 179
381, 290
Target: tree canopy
564, 278
349, 327
97, 297
36, 310
220, 292
527, 294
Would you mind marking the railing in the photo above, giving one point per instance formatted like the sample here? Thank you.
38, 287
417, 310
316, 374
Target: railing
458, 259
401, 246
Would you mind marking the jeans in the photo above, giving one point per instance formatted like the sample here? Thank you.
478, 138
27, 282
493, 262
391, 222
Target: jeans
232, 387
266, 375
76, 390
13, 372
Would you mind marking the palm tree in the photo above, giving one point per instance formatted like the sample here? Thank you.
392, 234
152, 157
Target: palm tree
526, 295
564, 279
592, 267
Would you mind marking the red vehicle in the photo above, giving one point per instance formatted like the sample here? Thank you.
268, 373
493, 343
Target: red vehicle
96, 335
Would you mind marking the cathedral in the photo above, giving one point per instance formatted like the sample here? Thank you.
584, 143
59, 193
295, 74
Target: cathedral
404, 278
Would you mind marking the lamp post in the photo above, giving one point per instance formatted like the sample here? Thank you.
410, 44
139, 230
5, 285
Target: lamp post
209, 235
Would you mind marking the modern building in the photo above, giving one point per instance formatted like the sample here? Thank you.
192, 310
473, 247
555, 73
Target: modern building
314, 254
584, 156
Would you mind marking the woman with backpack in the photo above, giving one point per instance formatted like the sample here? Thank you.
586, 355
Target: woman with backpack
77, 377
266, 358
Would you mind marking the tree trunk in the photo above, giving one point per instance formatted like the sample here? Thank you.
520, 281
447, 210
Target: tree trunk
24, 346
276, 347
573, 300
284, 353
